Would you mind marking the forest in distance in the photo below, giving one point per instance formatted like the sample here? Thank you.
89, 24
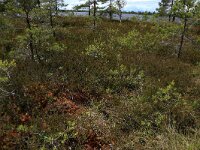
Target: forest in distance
99, 81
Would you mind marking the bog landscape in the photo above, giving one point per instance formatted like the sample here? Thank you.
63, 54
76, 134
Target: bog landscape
97, 77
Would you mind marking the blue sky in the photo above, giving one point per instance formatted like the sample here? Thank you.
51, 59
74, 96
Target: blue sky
132, 5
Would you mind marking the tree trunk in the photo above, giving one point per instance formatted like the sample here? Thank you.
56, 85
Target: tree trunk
51, 22
120, 16
174, 18
28, 21
110, 10
56, 5
182, 37
170, 15
38, 3
89, 11
30, 34
94, 15
183, 34
37, 55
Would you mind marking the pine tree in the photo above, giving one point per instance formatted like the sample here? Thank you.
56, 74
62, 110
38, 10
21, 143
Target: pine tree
2, 5
119, 5
87, 5
165, 9
185, 9
26, 7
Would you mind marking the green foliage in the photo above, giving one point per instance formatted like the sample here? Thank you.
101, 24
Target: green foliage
165, 102
104, 88
145, 16
5, 70
122, 78
2, 6
184, 8
22, 128
164, 6
134, 40
131, 40
95, 50
134, 19
58, 140
43, 41
165, 109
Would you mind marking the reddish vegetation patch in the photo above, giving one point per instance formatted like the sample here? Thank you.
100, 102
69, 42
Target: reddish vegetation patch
49, 99
25, 118
93, 142
56, 97
63, 105
196, 29
8, 140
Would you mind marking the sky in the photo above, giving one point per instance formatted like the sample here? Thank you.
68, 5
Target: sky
132, 5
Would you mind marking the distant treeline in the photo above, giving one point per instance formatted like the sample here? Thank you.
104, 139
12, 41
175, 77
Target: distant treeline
124, 12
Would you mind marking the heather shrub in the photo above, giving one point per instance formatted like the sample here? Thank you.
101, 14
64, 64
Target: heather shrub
116, 86
164, 109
